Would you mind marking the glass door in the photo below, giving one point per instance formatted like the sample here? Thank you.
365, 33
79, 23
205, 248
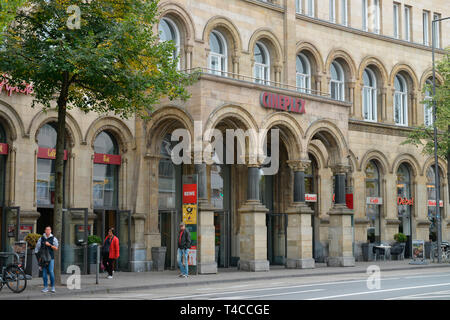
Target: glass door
74, 244
222, 238
167, 227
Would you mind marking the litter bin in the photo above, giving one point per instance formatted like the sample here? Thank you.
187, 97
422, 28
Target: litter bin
159, 258
367, 251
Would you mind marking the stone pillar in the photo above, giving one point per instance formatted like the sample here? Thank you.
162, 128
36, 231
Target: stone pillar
421, 209
138, 259
253, 230
389, 207
299, 231
390, 106
340, 230
205, 224
383, 104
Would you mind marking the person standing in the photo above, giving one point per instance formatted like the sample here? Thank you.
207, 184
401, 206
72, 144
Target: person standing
184, 244
52, 245
110, 252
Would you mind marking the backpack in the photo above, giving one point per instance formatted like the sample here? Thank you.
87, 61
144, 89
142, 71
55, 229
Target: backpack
44, 255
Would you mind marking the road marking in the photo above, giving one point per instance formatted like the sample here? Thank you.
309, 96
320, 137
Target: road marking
430, 276
419, 295
268, 295
378, 291
240, 286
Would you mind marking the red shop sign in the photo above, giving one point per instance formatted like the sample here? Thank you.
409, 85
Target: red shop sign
189, 193
432, 203
28, 89
310, 197
280, 102
46, 153
3, 148
348, 200
405, 201
102, 158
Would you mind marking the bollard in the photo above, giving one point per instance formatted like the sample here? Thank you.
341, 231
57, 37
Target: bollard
98, 265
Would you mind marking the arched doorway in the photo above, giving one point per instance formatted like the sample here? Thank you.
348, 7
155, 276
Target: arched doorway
45, 175
373, 210
405, 207
311, 198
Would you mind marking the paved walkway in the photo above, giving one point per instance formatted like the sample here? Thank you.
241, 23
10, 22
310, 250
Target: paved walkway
130, 281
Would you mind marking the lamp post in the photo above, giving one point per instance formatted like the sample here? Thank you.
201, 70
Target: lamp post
436, 167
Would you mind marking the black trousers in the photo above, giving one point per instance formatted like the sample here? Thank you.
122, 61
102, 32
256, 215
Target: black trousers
108, 264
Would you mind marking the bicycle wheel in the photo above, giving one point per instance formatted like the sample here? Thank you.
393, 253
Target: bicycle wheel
15, 278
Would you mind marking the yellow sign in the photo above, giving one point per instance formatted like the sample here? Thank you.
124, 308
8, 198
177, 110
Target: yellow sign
190, 213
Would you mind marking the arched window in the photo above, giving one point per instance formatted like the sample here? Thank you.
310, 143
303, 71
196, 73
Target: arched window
218, 54
106, 171
169, 32
337, 81
303, 73
262, 64
45, 180
404, 192
373, 210
428, 105
369, 95
400, 101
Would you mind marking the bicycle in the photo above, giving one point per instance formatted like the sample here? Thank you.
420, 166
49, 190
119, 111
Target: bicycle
13, 275
445, 252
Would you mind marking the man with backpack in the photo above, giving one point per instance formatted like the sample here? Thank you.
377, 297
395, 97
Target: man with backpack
45, 248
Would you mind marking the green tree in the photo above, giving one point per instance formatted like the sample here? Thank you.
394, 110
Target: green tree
98, 56
7, 12
424, 136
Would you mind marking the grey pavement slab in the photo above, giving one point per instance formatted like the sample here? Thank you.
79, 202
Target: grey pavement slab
131, 281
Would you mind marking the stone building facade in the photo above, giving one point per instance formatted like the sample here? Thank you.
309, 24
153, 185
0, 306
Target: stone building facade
357, 67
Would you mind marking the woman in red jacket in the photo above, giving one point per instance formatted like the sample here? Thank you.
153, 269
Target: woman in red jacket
110, 252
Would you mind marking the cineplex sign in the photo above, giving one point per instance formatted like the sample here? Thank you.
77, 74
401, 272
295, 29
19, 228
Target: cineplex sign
281, 102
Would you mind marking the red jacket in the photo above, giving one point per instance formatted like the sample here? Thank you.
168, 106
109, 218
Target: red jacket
113, 248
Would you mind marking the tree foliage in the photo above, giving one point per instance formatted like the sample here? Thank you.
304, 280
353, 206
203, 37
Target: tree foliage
113, 62
7, 12
423, 136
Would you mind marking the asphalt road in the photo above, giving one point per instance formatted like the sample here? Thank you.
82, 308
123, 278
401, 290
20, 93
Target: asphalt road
430, 284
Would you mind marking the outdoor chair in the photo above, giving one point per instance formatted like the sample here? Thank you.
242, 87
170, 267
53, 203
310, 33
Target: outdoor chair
398, 250
379, 252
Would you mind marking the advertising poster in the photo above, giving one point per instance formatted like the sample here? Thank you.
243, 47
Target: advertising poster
192, 256
418, 249
190, 214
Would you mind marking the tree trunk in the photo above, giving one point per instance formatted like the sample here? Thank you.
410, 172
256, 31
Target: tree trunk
59, 172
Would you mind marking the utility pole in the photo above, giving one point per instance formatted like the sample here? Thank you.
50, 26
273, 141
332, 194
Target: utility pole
436, 166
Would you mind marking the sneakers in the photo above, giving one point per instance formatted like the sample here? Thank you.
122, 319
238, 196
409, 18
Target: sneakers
180, 275
109, 277
185, 276
53, 290
45, 290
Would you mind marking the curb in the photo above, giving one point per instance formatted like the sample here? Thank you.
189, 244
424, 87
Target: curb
96, 290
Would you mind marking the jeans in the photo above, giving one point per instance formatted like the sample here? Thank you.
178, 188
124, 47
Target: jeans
183, 269
49, 269
108, 264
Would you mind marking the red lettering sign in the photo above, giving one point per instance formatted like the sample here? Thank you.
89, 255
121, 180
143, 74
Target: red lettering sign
46, 153
432, 203
190, 193
28, 88
102, 158
3, 148
374, 200
310, 197
281, 102
349, 200
405, 201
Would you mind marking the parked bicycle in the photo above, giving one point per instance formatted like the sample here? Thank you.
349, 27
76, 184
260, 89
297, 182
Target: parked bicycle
445, 252
13, 274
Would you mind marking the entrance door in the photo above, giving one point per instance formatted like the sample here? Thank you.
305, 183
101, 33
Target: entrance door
74, 244
222, 238
167, 226
277, 224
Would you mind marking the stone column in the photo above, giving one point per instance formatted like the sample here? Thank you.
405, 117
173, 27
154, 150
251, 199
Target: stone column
383, 104
390, 211
421, 209
253, 230
299, 231
235, 61
340, 230
205, 224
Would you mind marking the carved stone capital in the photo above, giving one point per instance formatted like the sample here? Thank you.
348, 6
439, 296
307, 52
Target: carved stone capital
299, 165
340, 169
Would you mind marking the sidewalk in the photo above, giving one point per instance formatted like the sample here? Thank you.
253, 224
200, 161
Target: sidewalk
131, 281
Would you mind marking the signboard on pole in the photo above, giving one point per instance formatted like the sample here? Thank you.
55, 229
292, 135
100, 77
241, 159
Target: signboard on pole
418, 249
189, 216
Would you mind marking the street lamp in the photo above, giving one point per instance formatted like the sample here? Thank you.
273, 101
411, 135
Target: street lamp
436, 167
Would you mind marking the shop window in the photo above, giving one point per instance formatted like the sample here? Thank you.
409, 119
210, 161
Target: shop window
262, 64
404, 192
218, 54
431, 192
45, 179
369, 95
166, 176
303, 73
105, 190
373, 210
400, 101
169, 32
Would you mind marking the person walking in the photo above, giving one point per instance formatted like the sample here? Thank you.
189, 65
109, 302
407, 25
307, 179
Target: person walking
184, 244
51, 244
110, 252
